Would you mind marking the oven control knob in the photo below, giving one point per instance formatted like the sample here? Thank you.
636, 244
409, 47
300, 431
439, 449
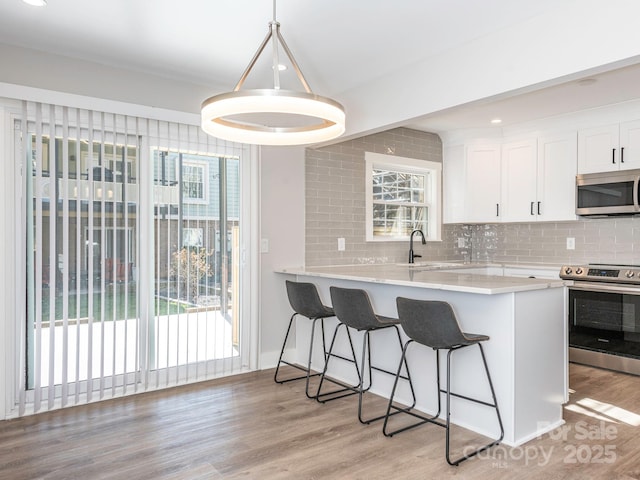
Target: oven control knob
578, 271
568, 271
629, 274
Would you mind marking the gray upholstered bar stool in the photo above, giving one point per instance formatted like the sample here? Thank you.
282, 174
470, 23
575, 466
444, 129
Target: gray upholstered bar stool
305, 301
434, 324
354, 310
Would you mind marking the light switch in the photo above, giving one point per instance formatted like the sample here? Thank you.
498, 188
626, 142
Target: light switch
264, 245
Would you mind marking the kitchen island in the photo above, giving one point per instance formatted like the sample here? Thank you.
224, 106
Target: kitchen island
527, 352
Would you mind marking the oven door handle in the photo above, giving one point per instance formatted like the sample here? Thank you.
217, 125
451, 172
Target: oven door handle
605, 288
636, 185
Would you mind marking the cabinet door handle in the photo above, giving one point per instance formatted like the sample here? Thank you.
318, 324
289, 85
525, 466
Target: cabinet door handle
532, 208
622, 155
539, 208
613, 155
497, 209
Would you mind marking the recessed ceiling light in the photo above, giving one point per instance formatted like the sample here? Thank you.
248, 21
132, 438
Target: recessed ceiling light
36, 3
496, 121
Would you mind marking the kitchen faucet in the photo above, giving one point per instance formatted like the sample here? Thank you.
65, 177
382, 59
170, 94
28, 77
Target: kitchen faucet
411, 254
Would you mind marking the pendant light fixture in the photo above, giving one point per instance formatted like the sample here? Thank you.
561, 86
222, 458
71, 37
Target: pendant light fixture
273, 116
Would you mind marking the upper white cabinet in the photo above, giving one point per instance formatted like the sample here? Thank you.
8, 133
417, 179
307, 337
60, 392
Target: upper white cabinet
609, 147
519, 172
471, 183
521, 181
482, 183
630, 145
557, 163
538, 179
453, 184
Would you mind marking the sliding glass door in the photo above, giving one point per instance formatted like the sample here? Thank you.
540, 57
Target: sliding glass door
132, 234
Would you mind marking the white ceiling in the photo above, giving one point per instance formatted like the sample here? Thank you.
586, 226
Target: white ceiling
339, 44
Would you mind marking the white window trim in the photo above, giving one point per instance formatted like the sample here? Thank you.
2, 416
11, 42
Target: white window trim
409, 165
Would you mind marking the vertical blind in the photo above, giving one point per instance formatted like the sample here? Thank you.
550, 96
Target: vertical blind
132, 230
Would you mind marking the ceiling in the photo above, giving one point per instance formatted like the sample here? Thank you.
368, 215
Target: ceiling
340, 46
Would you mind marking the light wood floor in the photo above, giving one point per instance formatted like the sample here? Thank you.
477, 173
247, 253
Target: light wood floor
249, 427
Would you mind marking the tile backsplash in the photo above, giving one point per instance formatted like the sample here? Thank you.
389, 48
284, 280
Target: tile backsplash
335, 207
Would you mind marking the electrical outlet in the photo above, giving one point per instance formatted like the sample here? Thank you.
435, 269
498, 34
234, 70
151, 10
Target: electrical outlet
341, 244
461, 242
571, 243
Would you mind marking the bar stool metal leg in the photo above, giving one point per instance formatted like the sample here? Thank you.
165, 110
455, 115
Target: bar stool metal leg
345, 389
305, 301
409, 409
307, 370
433, 324
448, 413
354, 310
366, 348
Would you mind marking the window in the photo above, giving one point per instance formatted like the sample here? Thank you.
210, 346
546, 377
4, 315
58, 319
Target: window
194, 184
403, 194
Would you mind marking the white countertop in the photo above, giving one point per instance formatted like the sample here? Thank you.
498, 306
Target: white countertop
434, 275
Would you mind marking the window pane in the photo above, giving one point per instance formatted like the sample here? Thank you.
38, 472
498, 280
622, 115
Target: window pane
398, 220
398, 186
193, 182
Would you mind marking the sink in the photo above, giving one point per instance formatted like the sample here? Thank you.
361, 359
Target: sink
493, 271
434, 264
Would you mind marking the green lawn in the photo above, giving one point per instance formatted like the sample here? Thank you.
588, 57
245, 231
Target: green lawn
114, 298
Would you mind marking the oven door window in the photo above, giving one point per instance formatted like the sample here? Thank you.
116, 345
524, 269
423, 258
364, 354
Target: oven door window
605, 321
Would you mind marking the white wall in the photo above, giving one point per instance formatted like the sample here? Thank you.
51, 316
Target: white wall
32, 68
282, 186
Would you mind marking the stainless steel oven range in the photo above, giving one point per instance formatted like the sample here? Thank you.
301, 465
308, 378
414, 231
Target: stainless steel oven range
604, 315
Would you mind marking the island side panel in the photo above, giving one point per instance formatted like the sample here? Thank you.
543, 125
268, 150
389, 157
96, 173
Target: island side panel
541, 364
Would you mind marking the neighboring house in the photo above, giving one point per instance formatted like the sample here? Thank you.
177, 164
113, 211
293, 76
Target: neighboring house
186, 208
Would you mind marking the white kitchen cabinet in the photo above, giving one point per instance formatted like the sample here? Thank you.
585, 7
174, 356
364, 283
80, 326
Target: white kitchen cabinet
556, 178
453, 172
519, 172
609, 147
538, 179
630, 145
482, 183
520, 181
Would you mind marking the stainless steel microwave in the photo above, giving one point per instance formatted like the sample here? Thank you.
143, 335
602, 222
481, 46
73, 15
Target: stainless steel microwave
608, 193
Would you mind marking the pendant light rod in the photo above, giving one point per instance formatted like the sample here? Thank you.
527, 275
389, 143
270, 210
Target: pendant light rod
274, 26
303, 81
274, 35
245, 74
